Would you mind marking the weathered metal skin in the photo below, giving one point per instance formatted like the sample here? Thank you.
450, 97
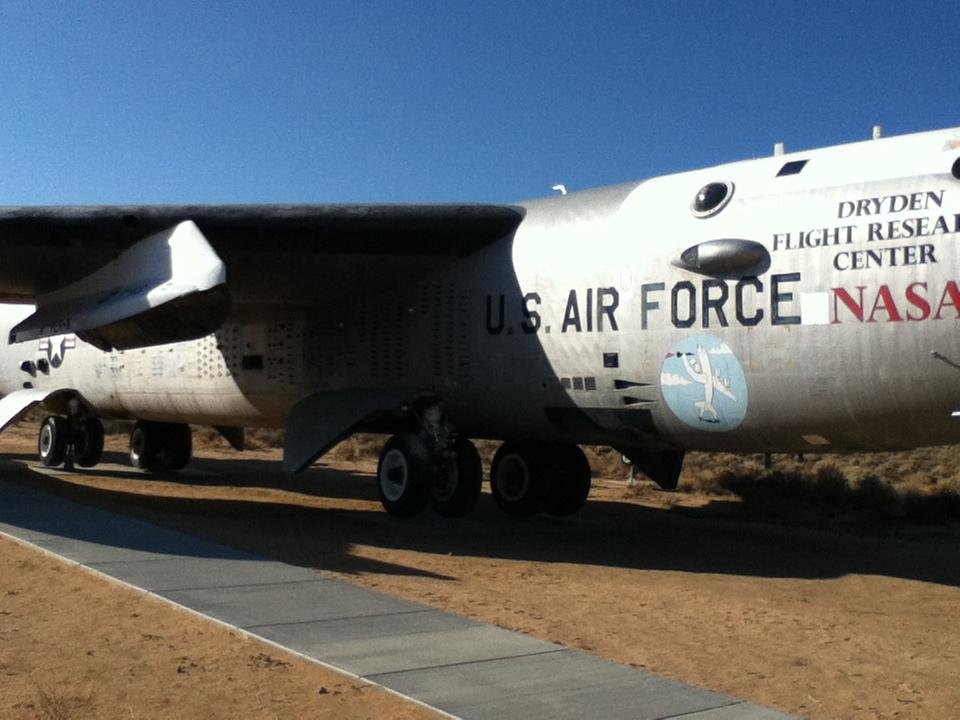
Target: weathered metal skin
582, 325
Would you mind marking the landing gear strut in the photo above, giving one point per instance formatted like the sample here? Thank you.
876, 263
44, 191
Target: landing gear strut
434, 466
457, 481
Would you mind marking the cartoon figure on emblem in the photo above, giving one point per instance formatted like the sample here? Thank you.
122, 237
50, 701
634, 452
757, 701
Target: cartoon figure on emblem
703, 384
700, 370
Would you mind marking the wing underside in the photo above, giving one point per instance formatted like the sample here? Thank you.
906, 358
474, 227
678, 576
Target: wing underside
116, 275
47, 248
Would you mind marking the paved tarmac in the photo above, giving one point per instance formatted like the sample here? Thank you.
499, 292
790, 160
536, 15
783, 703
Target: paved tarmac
460, 667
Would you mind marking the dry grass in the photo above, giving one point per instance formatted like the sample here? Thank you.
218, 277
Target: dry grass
51, 705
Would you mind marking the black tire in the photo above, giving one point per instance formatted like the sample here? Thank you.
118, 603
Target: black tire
569, 482
177, 446
518, 478
405, 475
52, 440
145, 443
456, 489
88, 442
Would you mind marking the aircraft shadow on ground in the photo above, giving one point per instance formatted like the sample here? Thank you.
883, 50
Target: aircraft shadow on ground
218, 521
712, 539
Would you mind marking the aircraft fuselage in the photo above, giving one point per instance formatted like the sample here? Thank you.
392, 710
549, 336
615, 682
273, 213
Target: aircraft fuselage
592, 324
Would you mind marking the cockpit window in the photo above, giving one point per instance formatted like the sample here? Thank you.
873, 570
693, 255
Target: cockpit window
956, 168
711, 199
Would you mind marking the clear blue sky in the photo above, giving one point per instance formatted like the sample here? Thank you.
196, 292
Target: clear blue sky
110, 102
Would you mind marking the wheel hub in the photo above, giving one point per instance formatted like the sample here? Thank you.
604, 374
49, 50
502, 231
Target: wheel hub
46, 440
514, 478
445, 481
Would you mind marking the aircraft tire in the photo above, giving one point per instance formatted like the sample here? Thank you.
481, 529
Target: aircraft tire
145, 442
518, 478
52, 440
569, 483
88, 442
405, 475
177, 448
455, 493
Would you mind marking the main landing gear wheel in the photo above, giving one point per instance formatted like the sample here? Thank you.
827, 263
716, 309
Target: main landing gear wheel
518, 478
569, 481
78, 438
178, 446
405, 475
53, 440
160, 446
456, 486
528, 477
88, 442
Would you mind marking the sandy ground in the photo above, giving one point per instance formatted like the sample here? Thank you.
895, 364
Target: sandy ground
73, 645
820, 622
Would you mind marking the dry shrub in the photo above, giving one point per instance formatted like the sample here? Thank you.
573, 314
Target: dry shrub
51, 705
828, 493
263, 438
207, 437
606, 462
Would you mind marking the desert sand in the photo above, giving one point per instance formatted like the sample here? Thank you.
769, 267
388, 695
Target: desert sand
819, 620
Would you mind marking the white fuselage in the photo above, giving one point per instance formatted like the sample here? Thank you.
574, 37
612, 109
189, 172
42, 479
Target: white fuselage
583, 327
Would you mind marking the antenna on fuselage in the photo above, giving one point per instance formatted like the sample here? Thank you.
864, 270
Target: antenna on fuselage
877, 132
560, 188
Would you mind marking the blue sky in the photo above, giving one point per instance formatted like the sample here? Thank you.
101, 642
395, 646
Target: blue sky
122, 102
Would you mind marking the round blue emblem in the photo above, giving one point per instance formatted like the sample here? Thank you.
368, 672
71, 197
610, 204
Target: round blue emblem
703, 384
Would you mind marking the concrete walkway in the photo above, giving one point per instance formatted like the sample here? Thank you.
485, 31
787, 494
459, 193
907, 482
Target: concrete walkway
458, 666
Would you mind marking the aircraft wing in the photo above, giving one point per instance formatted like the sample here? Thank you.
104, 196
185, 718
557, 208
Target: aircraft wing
126, 276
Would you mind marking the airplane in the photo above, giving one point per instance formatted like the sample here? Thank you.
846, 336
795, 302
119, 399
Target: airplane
801, 302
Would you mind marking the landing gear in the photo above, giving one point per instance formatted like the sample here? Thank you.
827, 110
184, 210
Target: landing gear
88, 442
518, 478
569, 483
433, 466
436, 466
160, 446
78, 438
53, 440
457, 482
178, 447
528, 477
404, 474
